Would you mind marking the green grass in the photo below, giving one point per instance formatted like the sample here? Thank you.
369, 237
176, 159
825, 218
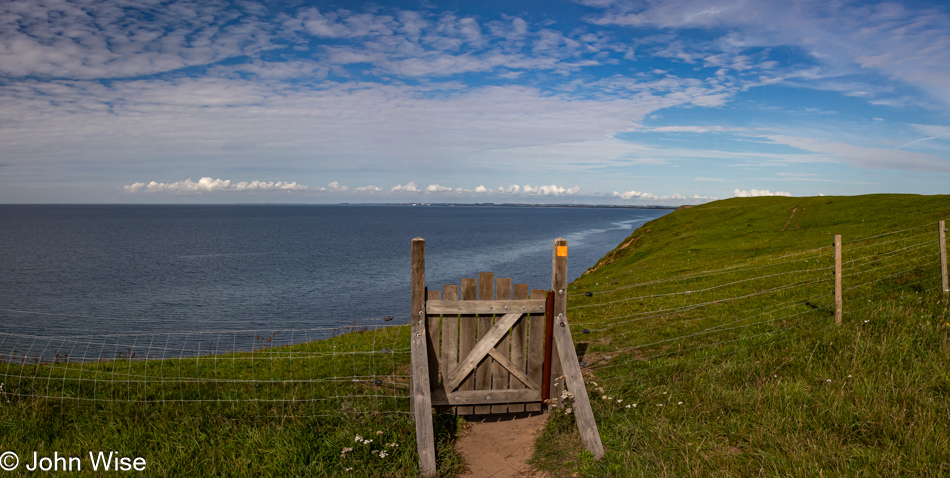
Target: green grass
746, 374
277, 411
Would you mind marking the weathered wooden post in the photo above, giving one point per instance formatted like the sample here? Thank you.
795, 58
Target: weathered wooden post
559, 288
419, 362
943, 256
548, 346
838, 298
568, 364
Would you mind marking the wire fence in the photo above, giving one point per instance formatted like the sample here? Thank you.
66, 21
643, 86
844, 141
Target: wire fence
620, 332
634, 329
361, 368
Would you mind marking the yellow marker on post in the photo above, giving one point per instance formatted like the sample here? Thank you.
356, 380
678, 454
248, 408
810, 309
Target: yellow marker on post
562, 251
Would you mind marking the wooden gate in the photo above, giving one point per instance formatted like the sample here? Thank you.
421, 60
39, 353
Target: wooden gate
496, 329
491, 347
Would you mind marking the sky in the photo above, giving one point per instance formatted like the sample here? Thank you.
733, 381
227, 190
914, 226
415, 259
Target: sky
569, 102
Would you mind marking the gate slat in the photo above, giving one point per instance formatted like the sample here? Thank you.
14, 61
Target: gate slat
432, 326
499, 374
519, 341
536, 346
450, 335
467, 338
486, 291
439, 397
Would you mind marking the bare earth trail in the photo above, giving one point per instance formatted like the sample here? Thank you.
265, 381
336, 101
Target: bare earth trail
499, 446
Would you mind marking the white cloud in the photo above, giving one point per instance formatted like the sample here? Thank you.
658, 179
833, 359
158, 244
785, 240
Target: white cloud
435, 188
905, 43
233, 122
410, 187
870, 158
692, 129
674, 198
206, 184
551, 190
634, 195
124, 39
540, 194
758, 192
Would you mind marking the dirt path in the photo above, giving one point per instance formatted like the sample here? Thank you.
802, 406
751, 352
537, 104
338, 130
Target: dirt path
499, 446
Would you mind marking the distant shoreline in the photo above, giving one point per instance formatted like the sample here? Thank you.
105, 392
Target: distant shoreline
595, 206
417, 204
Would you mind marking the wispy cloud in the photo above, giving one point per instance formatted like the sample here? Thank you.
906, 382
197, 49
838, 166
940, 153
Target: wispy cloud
864, 157
127, 39
758, 192
409, 190
207, 185
892, 39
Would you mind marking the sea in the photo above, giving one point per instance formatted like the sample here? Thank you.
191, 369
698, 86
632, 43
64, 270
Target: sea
83, 270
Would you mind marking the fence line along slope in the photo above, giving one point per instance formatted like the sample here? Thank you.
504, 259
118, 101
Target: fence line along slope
315, 402
709, 343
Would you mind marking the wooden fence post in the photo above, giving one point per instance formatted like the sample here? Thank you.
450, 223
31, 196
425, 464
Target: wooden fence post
421, 399
566, 363
838, 298
548, 346
943, 256
559, 287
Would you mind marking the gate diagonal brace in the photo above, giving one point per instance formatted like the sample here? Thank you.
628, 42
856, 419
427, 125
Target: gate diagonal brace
488, 342
504, 362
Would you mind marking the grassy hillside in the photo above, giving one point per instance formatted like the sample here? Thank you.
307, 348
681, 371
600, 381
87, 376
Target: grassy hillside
711, 348
292, 410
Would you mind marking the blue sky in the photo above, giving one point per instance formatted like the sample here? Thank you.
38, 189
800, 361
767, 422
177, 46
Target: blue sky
588, 101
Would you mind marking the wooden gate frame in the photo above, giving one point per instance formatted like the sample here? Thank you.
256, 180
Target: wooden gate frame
422, 348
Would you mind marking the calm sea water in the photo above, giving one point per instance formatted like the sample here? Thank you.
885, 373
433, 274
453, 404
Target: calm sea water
86, 270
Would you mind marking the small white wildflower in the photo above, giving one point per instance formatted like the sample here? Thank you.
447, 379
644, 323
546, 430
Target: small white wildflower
568, 410
664, 393
383, 454
776, 376
379, 432
634, 405
358, 438
619, 400
349, 469
659, 404
866, 321
829, 380
604, 397
679, 403
628, 406
849, 376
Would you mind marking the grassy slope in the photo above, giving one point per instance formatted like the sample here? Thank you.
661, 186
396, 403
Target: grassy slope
768, 385
280, 411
